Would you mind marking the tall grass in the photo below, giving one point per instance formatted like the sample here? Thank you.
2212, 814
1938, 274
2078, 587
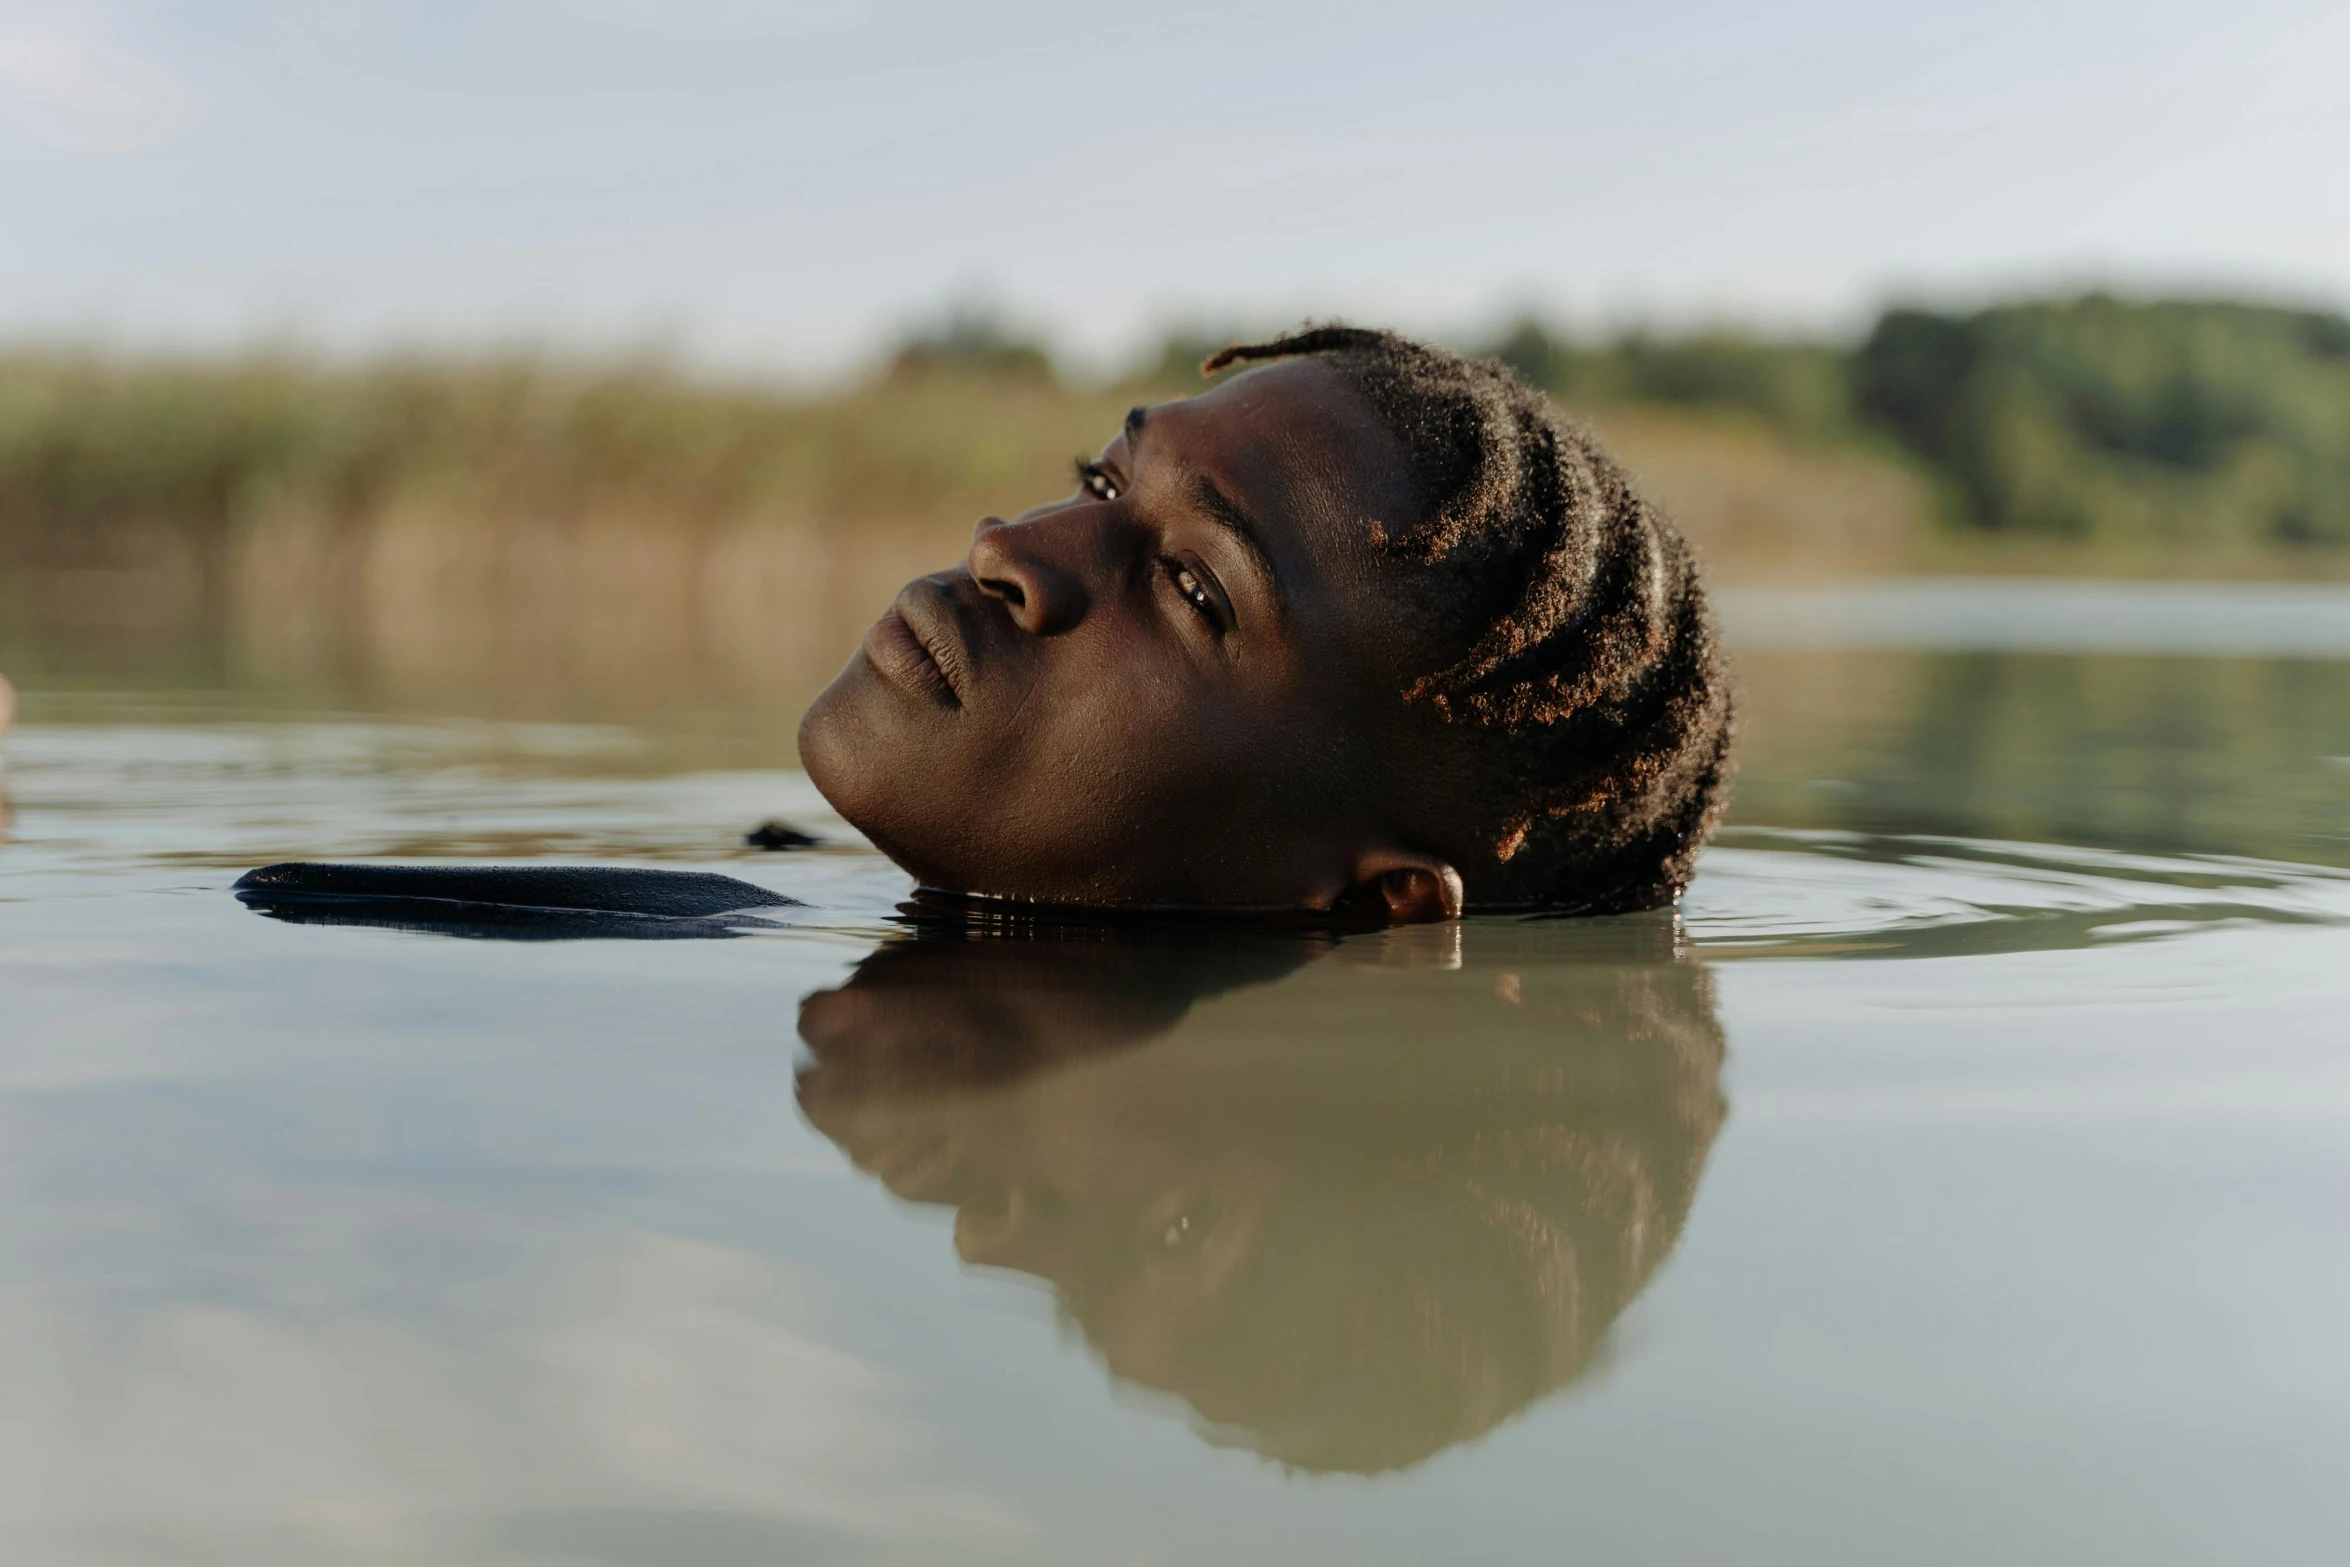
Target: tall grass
520, 532
499, 523
92, 448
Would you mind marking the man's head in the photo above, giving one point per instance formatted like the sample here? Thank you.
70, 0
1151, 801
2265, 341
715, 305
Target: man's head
1368, 627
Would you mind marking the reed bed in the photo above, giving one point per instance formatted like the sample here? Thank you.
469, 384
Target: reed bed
529, 535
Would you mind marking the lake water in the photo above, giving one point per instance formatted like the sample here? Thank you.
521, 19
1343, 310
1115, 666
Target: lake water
1962, 1176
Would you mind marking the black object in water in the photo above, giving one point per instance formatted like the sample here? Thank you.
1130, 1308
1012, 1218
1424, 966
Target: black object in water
513, 903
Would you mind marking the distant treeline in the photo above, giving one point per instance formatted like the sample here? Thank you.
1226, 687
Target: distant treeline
2156, 427
2203, 424
2172, 423
2180, 422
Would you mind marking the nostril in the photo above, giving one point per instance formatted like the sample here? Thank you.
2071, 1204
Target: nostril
1006, 590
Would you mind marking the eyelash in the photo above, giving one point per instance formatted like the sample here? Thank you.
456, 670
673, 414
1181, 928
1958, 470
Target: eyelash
1096, 480
1197, 594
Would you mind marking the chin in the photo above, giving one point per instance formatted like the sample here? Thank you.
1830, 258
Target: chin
819, 741
897, 784
843, 755
859, 767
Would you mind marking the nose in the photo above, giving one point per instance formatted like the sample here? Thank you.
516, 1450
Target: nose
1038, 568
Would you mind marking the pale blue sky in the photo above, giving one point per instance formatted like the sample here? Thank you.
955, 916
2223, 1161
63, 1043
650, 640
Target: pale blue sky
779, 185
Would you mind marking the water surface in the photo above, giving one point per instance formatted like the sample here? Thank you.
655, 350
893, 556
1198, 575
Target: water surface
1962, 1175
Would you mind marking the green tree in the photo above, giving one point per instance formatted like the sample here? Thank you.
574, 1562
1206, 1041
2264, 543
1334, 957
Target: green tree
2096, 418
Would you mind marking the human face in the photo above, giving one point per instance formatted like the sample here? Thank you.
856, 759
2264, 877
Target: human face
1178, 687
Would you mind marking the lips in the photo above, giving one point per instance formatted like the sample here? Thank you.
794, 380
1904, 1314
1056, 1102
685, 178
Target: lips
916, 646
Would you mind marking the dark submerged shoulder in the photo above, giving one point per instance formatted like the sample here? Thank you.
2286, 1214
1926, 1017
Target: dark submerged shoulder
512, 902
617, 889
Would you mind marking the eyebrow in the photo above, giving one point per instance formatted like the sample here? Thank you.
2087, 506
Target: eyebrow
1225, 512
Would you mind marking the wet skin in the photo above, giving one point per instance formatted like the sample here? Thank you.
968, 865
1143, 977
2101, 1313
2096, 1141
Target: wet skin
1178, 688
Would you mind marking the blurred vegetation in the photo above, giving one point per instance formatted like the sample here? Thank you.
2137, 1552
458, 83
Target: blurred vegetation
524, 535
1801, 388
2181, 426
2093, 418
2086, 424
505, 536
973, 340
91, 445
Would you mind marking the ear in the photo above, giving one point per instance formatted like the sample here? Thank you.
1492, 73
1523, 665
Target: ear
1416, 889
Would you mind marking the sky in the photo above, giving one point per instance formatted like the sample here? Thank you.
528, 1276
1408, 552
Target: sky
783, 186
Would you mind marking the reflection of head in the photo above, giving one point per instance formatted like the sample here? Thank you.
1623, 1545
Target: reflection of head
7, 717
1351, 1219
961, 1011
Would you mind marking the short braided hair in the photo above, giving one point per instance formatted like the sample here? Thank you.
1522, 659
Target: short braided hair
1579, 651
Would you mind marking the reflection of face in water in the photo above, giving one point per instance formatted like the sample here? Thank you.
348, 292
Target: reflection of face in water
7, 717
1350, 1219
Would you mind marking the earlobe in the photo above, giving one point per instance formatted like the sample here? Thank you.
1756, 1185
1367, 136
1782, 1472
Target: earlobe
1416, 889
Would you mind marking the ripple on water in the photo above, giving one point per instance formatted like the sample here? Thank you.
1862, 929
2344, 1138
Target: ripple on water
1771, 892
148, 805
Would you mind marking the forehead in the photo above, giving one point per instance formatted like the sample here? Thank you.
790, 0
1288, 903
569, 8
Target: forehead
1302, 451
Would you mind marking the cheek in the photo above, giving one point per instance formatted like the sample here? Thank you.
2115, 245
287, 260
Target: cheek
1126, 772
1115, 746
1166, 782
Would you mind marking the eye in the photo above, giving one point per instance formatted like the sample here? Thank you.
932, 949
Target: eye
1196, 592
1190, 1229
1096, 480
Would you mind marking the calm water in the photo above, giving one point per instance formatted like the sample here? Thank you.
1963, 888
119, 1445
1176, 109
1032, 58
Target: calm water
1964, 1175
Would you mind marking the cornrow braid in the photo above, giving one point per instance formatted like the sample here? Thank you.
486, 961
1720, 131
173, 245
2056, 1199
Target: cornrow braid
1581, 651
